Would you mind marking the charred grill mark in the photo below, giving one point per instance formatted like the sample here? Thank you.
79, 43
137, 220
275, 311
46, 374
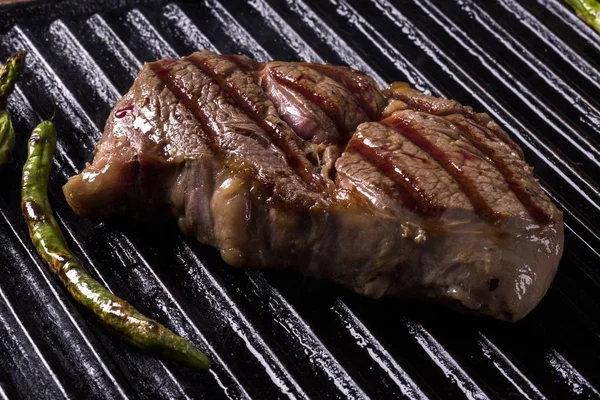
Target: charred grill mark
480, 205
257, 110
420, 102
355, 87
468, 128
190, 101
498, 133
413, 196
244, 63
187, 99
326, 103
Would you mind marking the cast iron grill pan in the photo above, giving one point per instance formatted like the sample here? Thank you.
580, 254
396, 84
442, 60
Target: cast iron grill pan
532, 65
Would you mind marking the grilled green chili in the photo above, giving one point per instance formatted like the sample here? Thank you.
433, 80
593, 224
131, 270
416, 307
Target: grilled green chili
116, 314
587, 10
7, 137
9, 73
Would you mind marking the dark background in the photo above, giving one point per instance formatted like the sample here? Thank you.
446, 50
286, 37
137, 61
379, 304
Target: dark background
532, 65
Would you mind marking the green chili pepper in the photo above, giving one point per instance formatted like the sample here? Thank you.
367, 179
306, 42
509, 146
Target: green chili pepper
9, 73
116, 314
587, 10
7, 137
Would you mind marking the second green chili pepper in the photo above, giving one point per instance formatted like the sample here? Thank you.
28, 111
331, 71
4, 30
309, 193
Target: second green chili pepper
116, 314
7, 137
9, 73
587, 10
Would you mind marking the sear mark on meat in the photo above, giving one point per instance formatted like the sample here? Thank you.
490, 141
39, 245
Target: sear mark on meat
312, 167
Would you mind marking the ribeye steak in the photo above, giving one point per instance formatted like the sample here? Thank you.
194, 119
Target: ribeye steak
311, 166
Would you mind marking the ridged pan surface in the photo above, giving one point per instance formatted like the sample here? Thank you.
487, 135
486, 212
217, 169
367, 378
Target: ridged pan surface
532, 65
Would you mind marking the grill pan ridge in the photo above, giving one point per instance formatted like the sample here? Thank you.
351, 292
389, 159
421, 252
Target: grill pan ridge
532, 65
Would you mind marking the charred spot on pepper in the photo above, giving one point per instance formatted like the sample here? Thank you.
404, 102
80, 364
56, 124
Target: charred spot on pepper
153, 326
64, 259
35, 138
33, 212
493, 284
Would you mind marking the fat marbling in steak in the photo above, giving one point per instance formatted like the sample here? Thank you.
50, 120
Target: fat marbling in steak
312, 167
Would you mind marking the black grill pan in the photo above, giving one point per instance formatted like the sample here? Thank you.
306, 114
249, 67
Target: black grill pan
532, 65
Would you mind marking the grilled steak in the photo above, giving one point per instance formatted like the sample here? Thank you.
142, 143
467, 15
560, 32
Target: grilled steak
312, 167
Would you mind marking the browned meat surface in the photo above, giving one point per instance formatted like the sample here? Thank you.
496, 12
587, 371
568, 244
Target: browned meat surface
312, 167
